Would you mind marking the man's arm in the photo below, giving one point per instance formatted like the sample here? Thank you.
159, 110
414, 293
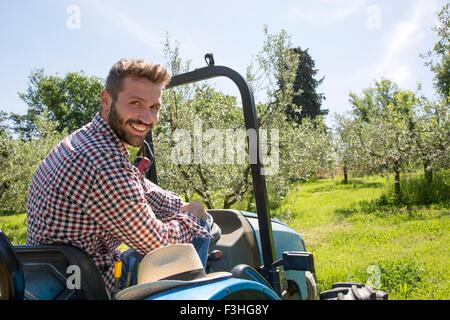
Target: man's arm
118, 203
195, 208
165, 204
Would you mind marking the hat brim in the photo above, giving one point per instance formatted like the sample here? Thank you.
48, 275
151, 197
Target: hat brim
143, 290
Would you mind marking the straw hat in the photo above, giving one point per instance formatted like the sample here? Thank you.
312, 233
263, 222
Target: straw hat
169, 267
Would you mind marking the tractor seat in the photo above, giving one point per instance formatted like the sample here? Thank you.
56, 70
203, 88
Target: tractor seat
11, 271
50, 273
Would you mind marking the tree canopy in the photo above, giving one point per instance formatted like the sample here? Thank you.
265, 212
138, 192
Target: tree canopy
438, 59
298, 151
70, 101
307, 102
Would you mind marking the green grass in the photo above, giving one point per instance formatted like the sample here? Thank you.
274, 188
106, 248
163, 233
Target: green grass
14, 226
349, 231
409, 245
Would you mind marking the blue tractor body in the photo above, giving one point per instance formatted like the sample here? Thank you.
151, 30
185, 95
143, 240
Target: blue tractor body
285, 239
229, 289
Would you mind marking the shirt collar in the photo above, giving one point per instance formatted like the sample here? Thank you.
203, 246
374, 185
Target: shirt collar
100, 124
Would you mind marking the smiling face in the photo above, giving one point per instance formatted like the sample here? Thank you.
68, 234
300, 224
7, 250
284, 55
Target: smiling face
135, 111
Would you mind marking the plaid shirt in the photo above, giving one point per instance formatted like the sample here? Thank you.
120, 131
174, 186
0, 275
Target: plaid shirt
87, 193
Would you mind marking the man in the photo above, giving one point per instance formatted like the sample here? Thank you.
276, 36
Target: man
87, 193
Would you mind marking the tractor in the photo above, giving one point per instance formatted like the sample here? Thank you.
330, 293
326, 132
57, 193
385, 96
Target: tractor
265, 258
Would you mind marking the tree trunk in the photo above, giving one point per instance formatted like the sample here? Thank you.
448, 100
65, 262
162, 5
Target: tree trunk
397, 177
345, 175
428, 173
239, 192
186, 196
208, 203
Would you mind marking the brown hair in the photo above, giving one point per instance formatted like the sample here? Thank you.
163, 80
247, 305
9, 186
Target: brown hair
136, 68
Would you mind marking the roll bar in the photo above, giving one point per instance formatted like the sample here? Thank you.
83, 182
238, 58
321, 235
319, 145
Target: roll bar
250, 118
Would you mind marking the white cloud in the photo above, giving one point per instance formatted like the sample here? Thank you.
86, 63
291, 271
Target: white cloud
134, 29
326, 11
148, 39
398, 60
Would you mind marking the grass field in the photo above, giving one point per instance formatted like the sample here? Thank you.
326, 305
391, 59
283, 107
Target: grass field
351, 240
409, 246
14, 226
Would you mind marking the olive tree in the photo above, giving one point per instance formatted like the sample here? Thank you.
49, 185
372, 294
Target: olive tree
378, 134
19, 161
69, 101
431, 132
210, 124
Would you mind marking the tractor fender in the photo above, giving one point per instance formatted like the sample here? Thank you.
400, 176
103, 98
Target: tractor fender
285, 239
230, 288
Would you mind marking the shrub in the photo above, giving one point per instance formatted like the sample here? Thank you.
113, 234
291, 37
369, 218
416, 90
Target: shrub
415, 190
401, 277
19, 161
15, 227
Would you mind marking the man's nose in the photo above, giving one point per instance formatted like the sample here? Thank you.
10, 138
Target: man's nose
150, 117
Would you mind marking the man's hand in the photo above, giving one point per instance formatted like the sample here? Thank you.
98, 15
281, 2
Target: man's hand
195, 208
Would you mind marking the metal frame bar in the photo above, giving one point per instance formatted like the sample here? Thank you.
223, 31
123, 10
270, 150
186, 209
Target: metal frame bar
250, 118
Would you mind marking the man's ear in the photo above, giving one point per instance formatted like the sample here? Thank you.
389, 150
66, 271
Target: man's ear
105, 101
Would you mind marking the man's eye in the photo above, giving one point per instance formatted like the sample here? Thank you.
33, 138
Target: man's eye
136, 103
155, 107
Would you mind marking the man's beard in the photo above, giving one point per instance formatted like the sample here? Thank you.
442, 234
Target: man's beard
119, 126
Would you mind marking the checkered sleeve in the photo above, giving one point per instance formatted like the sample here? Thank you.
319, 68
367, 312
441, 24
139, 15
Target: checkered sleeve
165, 204
118, 204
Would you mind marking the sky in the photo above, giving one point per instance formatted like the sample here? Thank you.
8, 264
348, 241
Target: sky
353, 42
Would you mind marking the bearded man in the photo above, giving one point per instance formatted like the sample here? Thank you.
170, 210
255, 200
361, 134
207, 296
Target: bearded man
88, 194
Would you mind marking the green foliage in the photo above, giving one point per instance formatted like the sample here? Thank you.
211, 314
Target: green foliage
133, 153
416, 191
276, 66
377, 136
401, 277
15, 227
207, 111
3, 126
411, 251
392, 130
6, 147
439, 56
20, 160
307, 101
380, 100
303, 150
70, 101
430, 130
410, 247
